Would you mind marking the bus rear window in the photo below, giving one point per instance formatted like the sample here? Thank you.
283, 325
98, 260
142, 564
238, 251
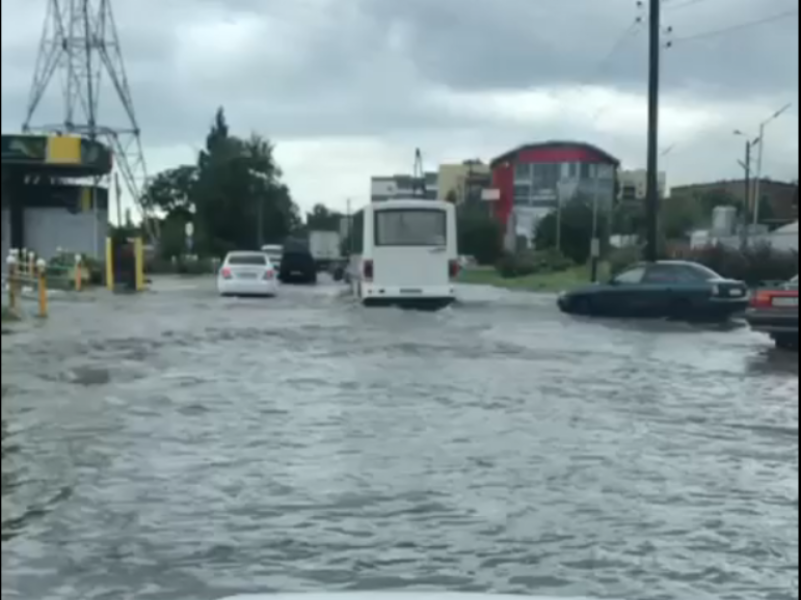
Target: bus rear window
410, 227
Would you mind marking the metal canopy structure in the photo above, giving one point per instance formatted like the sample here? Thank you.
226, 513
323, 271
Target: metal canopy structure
80, 44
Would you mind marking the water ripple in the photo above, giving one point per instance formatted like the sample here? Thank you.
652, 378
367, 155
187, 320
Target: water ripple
185, 448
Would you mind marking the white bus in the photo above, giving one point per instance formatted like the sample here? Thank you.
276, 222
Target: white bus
407, 254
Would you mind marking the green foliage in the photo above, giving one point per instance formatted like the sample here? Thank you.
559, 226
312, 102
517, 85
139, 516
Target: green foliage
752, 265
480, 236
577, 229
181, 266
622, 258
233, 195
523, 264
323, 219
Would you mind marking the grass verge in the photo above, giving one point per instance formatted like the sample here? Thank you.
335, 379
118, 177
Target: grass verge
539, 282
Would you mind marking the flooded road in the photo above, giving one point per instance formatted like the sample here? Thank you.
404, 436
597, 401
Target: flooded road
185, 447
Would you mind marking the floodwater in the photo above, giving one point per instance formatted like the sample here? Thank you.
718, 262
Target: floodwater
178, 446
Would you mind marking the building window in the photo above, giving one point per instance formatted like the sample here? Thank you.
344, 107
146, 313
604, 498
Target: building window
606, 172
522, 194
573, 171
546, 176
522, 172
586, 171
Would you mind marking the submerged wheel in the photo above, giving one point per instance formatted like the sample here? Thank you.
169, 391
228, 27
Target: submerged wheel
786, 342
681, 310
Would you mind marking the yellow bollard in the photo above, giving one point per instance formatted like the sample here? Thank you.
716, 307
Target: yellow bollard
139, 264
78, 273
12, 281
41, 265
110, 264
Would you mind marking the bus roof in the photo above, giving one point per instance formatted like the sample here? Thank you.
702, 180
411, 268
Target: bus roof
395, 204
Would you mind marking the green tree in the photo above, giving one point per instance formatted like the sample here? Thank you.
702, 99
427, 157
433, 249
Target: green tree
680, 216
234, 195
480, 235
321, 218
171, 191
577, 230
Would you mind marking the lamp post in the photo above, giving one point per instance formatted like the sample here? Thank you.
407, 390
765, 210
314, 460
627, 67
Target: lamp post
749, 144
758, 181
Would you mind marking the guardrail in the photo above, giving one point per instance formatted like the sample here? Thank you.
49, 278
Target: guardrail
25, 270
28, 274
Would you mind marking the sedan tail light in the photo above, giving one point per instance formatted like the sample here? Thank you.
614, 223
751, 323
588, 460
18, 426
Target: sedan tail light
269, 275
454, 269
368, 270
226, 273
762, 300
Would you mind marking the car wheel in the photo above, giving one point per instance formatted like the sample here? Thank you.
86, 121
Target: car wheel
786, 342
680, 310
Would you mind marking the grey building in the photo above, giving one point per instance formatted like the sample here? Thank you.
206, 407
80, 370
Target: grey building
62, 218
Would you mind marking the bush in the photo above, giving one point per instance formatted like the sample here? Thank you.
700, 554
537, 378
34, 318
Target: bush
622, 258
181, 266
527, 263
752, 265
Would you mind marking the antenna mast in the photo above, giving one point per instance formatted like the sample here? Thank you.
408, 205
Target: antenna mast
80, 42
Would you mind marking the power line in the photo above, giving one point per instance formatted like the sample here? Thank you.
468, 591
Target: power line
684, 4
739, 27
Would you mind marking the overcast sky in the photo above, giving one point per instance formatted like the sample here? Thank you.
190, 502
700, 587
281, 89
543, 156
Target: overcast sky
349, 88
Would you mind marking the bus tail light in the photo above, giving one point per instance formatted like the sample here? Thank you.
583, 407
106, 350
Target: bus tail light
454, 269
368, 270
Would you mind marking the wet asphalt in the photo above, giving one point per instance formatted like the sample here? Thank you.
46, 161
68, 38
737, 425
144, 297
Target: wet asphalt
179, 446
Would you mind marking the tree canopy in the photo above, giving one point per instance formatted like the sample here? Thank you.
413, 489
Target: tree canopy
233, 194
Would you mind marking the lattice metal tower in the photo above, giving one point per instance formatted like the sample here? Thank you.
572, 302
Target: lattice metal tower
80, 44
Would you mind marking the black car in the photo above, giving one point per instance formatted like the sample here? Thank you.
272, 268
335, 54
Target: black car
298, 266
666, 289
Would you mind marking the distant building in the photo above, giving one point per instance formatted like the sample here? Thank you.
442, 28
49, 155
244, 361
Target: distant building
402, 186
529, 179
464, 182
781, 196
633, 185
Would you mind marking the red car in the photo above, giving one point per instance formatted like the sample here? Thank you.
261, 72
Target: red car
775, 312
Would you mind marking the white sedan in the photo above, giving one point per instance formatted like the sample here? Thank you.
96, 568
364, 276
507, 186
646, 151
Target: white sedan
247, 274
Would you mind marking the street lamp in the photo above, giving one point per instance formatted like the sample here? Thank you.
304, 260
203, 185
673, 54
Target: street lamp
751, 141
758, 181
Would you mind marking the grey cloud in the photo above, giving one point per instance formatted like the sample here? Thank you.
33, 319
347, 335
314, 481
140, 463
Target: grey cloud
367, 70
475, 44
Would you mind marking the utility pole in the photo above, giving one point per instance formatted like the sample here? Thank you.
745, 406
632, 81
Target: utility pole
118, 197
747, 179
349, 222
652, 186
595, 243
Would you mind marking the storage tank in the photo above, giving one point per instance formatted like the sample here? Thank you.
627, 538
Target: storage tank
724, 220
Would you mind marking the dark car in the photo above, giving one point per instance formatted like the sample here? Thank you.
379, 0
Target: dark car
775, 313
666, 289
298, 266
